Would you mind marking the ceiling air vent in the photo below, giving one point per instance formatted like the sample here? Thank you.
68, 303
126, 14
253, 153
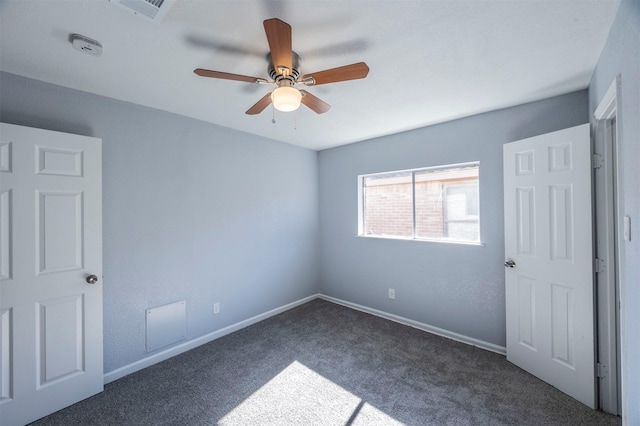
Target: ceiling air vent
150, 9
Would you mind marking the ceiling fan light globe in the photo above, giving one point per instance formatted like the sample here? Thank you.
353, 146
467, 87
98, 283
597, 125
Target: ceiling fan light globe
286, 98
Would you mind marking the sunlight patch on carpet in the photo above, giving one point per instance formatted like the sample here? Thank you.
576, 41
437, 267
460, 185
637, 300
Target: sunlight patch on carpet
299, 395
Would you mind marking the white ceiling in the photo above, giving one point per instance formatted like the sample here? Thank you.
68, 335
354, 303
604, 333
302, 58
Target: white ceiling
430, 61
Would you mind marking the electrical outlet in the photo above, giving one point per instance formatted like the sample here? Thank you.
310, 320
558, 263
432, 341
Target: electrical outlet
392, 293
216, 308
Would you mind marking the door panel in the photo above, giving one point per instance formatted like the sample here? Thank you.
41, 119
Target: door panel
59, 325
5, 355
561, 218
50, 241
562, 315
527, 312
5, 234
59, 231
526, 221
548, 236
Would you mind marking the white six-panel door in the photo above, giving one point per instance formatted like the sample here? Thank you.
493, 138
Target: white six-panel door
50, 243
548, 247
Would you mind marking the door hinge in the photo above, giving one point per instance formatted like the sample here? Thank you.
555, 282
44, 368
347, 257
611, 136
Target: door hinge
600, 265
603, 371
598, 161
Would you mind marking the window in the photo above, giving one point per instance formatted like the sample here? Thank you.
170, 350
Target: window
435, 203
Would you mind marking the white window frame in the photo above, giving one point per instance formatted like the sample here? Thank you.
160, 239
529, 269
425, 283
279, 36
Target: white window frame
361, 204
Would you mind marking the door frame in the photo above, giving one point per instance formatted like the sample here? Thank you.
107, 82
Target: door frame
609, 245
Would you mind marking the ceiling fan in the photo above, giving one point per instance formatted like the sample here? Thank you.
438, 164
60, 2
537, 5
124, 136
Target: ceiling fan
284, 71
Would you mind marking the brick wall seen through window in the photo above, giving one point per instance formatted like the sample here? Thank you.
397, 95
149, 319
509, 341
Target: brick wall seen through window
434, 204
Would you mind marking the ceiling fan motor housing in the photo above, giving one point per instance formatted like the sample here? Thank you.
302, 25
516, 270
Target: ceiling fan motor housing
284, 76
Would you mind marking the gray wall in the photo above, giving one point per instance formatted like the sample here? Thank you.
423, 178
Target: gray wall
191, 211
621, 55
459, 288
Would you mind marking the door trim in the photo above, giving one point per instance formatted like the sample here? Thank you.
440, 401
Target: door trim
609, 211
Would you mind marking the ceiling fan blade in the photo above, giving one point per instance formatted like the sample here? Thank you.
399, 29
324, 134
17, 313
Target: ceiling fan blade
279, 38
314, 103
226, 76
347, 72
260, 105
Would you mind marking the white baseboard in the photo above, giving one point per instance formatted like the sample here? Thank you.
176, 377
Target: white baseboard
421, 326
183, 347
191, 344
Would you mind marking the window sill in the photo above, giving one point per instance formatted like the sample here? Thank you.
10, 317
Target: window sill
422, 240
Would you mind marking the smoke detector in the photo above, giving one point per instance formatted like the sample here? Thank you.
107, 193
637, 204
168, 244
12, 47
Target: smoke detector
86, 45
153, 10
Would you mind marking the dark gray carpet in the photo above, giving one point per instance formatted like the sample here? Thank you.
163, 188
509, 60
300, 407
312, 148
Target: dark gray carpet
324, 364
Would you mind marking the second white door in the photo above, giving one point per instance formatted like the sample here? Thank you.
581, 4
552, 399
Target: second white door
548, 248
50, 271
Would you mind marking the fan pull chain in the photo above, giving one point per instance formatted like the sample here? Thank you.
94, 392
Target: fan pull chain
273, 114
295, 120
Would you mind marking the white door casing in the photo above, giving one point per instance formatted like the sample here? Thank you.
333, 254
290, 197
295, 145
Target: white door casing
548, 235
50, 242
609, 247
